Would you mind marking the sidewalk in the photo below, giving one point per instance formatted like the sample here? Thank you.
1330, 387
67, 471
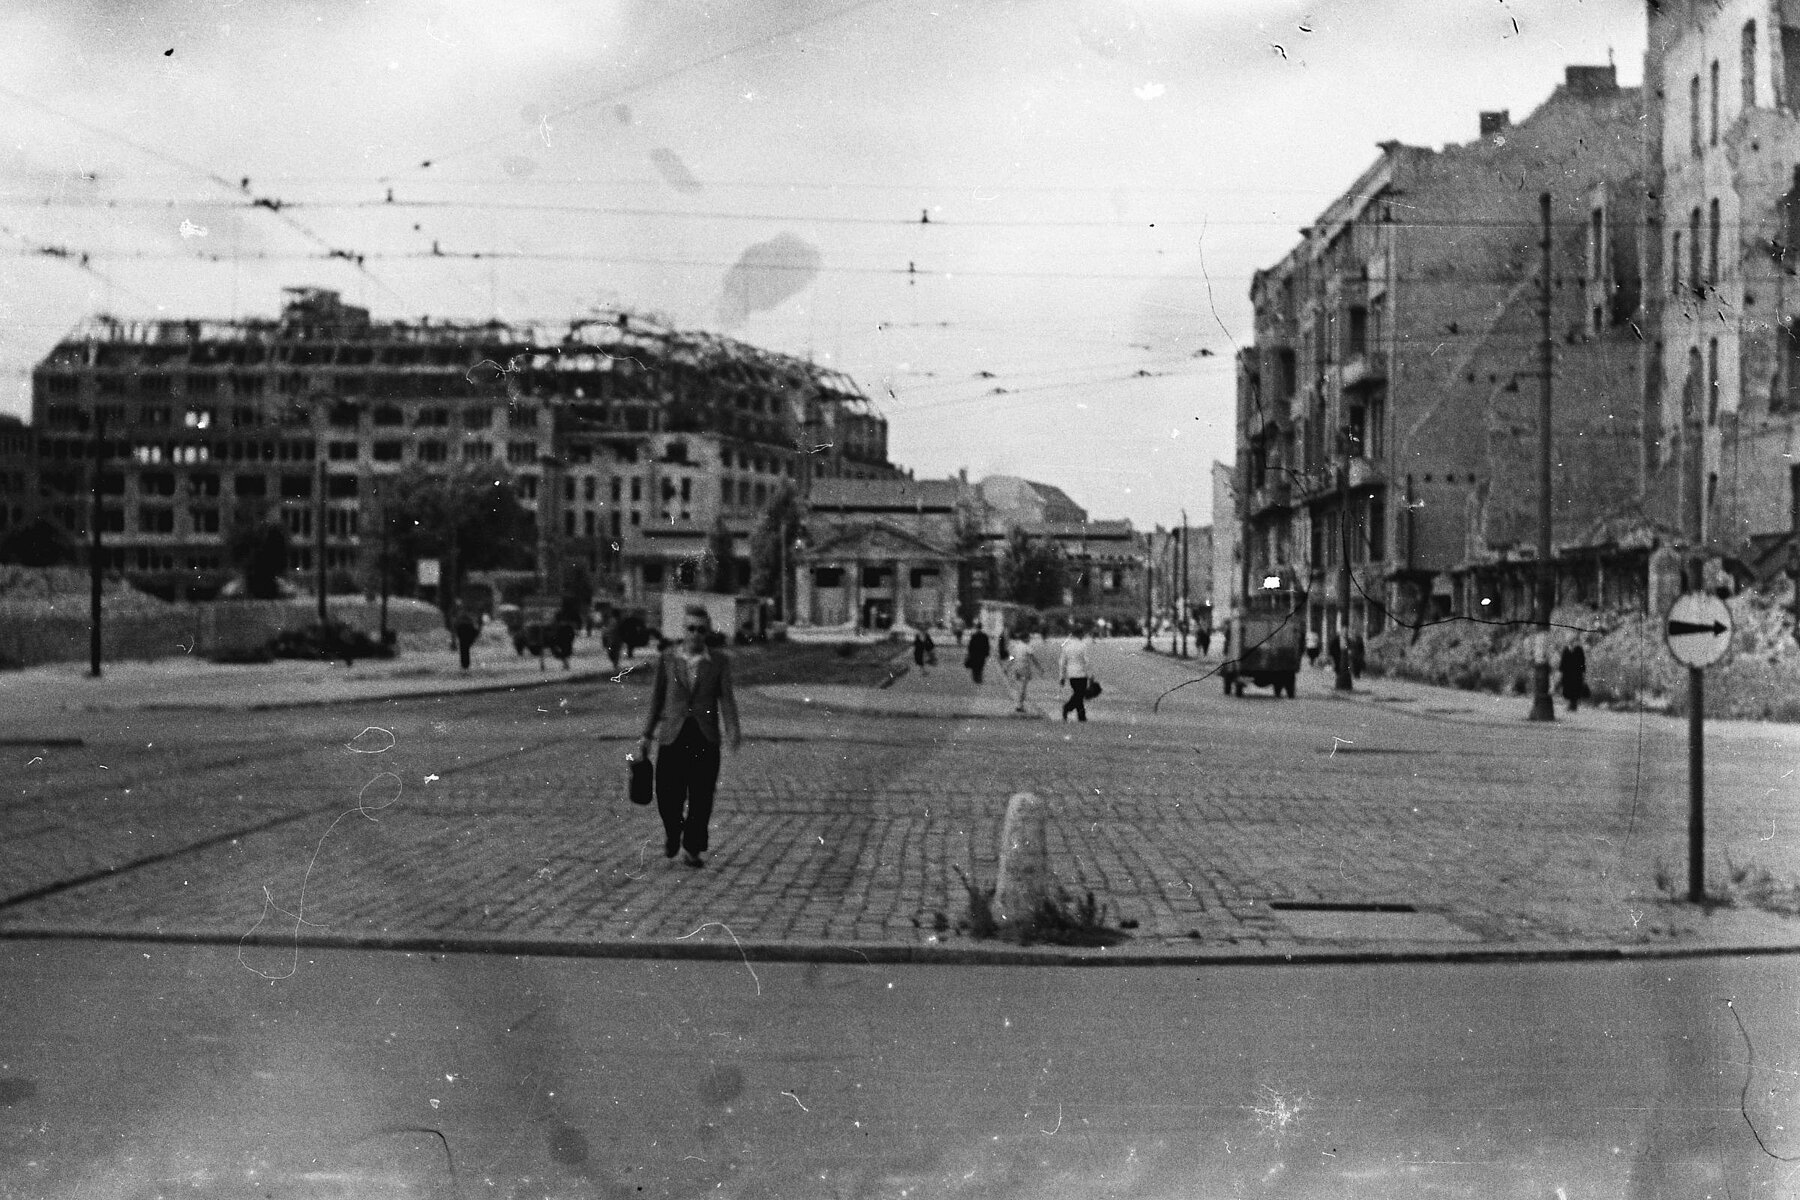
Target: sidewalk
194, 683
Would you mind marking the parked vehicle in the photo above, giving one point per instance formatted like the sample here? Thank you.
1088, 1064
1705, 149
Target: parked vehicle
1267, 640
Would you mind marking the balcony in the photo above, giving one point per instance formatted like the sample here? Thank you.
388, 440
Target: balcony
1274, 494
1363, 370
1365, 472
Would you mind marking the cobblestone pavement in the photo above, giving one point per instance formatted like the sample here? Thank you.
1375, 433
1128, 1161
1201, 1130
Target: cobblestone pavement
499, 818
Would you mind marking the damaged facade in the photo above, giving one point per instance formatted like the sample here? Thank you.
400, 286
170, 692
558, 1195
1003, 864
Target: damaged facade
630, 442
1722, 452
1387, 408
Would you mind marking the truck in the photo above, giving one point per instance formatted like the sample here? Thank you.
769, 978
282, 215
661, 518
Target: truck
1267, 640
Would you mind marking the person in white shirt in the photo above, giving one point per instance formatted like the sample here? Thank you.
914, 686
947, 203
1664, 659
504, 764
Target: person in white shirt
1022, 666
1073, 667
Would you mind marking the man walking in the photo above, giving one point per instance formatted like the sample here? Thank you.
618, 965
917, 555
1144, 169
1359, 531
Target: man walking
1572, 666
977, 657
692, 695
466, 629
1073, 664
1024, 667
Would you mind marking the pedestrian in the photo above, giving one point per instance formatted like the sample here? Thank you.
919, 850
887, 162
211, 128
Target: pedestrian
1205, 636
1358, 655
959, 631
1334, 650
1075, 672
466, 629
1572, 666
976, 659
693, 710
1312, 647
924, 651
1023, 666
1001, 651
609, 638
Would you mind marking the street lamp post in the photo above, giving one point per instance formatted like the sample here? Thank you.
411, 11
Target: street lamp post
96, 554
1541, 708
1342, 680
1181, 616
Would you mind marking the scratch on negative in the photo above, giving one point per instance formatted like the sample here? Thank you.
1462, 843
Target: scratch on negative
355, 749
796, 1099
1052, 1132
299, 913
734, 941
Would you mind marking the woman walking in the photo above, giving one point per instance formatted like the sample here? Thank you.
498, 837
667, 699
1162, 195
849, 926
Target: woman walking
924, 651
1073, 664
690, 700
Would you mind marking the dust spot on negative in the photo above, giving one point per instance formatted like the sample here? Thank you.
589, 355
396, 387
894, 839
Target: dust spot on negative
568, 1146
14, 1090
721, 1085
519, 165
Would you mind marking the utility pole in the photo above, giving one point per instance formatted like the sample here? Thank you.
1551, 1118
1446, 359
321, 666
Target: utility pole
1342, 681
1694, 432
382, 565
1541, 708
1149, 588
1180, 591
319, 542
96, 557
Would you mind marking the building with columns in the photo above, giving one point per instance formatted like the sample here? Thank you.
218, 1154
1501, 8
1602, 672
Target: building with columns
882, 553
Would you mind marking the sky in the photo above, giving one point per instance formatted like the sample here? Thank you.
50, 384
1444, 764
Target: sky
1025, 227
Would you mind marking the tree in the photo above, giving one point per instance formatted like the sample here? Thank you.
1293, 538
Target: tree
772, 544
1032, 570
40, 543
470, 516
260, 551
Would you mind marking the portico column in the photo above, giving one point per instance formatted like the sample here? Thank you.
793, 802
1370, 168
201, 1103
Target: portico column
853, 590
803, 595
899, 591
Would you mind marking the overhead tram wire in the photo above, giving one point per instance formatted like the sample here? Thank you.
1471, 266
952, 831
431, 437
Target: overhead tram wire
75, 258
271, 204
616, 94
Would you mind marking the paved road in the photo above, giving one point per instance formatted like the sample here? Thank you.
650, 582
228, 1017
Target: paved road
1217, 825
138, 1071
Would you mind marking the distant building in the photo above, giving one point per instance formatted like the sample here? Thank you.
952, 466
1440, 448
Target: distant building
1722, 394
628, 441
1166, 555
18, 474
1399, 343
1227, 550
882, 552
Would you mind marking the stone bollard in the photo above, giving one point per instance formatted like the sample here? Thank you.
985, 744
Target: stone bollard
1025, 880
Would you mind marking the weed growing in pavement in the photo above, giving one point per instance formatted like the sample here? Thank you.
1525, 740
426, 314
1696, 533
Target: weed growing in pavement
1748, 886
1061, 919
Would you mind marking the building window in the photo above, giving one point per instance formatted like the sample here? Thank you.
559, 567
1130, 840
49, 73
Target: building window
1712, 242
1675, 265
1694, 251
156, 483
433, 452
341, 451
615, 490
828, 577
477, 417
252, 485
521, 452
296, 487
1694, 116
568, 524
1790, 61
388, 451
156, 519
340, 487
588, 488
522, 416
389, 414
637, 489
1712, 381
1712, 135
527, 486
433, 417
1747, 65
587, 523
653, 574
687, 490
204, 520
477, 451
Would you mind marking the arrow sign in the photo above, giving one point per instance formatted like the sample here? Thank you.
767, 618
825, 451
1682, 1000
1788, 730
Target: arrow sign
1699, 629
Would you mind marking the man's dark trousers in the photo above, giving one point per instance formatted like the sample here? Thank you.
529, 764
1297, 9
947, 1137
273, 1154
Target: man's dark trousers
687, 771
1077, 701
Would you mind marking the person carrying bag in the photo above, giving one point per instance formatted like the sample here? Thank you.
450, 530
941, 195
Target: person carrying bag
693, 711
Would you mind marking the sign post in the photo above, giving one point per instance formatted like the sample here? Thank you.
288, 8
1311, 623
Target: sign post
1698, 634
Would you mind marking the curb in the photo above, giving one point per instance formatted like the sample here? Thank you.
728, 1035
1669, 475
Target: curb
373, 697
897, 954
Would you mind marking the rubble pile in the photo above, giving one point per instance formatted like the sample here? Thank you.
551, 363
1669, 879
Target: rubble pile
1628, 665
52, 590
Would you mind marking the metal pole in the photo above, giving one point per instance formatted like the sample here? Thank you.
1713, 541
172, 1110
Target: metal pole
1181, 585
1342, 680
96, 563
1149, 590
319, 541
1696, 785
1541, 708
383, 566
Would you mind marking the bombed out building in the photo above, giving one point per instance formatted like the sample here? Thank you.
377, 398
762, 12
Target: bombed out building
630, 443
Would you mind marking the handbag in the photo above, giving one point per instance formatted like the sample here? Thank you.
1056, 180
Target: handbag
1093, 688
640, 784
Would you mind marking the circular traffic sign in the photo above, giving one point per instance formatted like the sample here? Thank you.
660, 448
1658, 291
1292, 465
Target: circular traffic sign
1698, 632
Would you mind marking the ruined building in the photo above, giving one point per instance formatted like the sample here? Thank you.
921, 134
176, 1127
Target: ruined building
1398, 344
1722, 112
628, 441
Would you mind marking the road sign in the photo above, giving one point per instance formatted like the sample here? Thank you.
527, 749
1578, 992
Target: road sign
428, 572
1698, 632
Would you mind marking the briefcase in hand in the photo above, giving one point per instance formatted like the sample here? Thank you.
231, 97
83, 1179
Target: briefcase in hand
641, 785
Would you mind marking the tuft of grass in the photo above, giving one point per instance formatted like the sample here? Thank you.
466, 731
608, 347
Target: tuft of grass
978, 921
1061, 920
1748, 886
